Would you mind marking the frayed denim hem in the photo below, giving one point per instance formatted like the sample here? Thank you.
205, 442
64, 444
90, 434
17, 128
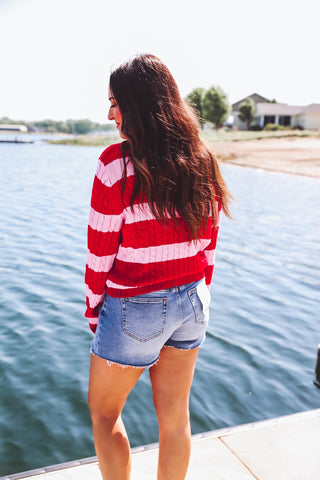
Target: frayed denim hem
111, 363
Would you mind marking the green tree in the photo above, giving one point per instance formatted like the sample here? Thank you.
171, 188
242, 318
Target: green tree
195, 100
7, 121
62, 127
70, 126
215, 106
247, 110
47, 125
83, 126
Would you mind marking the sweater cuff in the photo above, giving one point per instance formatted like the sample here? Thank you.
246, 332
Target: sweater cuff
208, 274
93, 327
93, 315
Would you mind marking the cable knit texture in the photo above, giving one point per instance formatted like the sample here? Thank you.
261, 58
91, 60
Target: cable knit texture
129, 251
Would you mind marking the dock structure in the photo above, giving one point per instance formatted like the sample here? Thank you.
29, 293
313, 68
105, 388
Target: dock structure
13, 128
284, 448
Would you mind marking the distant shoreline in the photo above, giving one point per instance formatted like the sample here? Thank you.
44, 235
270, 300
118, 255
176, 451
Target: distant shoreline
88, 140
209, 135
295, 152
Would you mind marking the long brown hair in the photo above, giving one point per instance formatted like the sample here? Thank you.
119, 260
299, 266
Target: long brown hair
174, 169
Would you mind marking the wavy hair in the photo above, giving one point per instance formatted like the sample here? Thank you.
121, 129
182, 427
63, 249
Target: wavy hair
175, 171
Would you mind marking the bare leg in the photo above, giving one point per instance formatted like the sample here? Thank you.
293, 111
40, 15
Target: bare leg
109, 387
171, 380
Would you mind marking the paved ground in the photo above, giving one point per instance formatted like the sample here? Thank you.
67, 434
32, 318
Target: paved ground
299, 156
285, 448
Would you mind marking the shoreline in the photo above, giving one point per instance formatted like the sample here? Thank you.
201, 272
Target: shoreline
294, 155
297, 154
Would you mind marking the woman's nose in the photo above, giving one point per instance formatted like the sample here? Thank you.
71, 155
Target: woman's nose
110, 115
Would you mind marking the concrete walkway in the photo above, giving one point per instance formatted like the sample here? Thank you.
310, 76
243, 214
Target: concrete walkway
285, 448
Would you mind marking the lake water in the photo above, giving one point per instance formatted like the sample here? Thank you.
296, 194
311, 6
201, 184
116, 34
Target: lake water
259, 357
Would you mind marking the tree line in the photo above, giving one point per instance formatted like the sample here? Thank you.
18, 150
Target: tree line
212, 106
78, 127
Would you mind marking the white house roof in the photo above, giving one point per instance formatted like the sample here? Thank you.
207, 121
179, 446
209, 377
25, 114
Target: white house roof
284, 109
312, 108
278, 109
255, 97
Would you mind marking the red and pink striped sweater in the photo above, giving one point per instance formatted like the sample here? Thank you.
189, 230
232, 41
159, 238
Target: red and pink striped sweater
129, 251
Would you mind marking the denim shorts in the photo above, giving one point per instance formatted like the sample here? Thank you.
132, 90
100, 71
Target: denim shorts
132, 331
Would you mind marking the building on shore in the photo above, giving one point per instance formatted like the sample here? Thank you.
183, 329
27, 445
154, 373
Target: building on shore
13, 128
304, 117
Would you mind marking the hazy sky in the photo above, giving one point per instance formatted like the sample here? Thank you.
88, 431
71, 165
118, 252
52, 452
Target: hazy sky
55, 56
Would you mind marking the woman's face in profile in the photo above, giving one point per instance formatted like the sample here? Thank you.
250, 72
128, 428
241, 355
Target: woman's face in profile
114, 112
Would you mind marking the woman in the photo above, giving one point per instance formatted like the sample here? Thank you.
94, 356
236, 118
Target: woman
152, 233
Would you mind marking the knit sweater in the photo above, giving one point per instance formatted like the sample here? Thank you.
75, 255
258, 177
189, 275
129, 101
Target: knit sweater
129, 251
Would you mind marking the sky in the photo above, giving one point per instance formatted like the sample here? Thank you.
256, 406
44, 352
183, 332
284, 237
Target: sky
56, 56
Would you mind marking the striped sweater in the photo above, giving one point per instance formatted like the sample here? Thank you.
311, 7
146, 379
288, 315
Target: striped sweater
129, 251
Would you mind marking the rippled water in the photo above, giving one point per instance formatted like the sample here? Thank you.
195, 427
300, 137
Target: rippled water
259, 357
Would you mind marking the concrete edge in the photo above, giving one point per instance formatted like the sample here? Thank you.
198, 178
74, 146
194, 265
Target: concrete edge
222, 432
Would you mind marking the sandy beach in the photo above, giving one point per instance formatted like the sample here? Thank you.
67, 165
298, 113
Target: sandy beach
300, 156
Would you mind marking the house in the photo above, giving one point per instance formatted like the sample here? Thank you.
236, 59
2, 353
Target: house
306, 117
255, 97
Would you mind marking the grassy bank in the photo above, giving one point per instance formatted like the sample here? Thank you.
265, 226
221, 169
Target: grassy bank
210, 136
237, 136
88, 140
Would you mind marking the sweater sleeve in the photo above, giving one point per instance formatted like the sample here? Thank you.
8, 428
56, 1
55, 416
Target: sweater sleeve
210, 250
104, 230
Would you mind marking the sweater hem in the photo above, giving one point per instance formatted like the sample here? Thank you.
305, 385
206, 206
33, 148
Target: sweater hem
132, 292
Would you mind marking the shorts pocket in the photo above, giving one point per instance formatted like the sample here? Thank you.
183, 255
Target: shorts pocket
200, 299
144, 318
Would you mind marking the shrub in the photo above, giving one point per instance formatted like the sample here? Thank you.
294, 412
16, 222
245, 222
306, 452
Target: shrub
255, 128
272, 127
